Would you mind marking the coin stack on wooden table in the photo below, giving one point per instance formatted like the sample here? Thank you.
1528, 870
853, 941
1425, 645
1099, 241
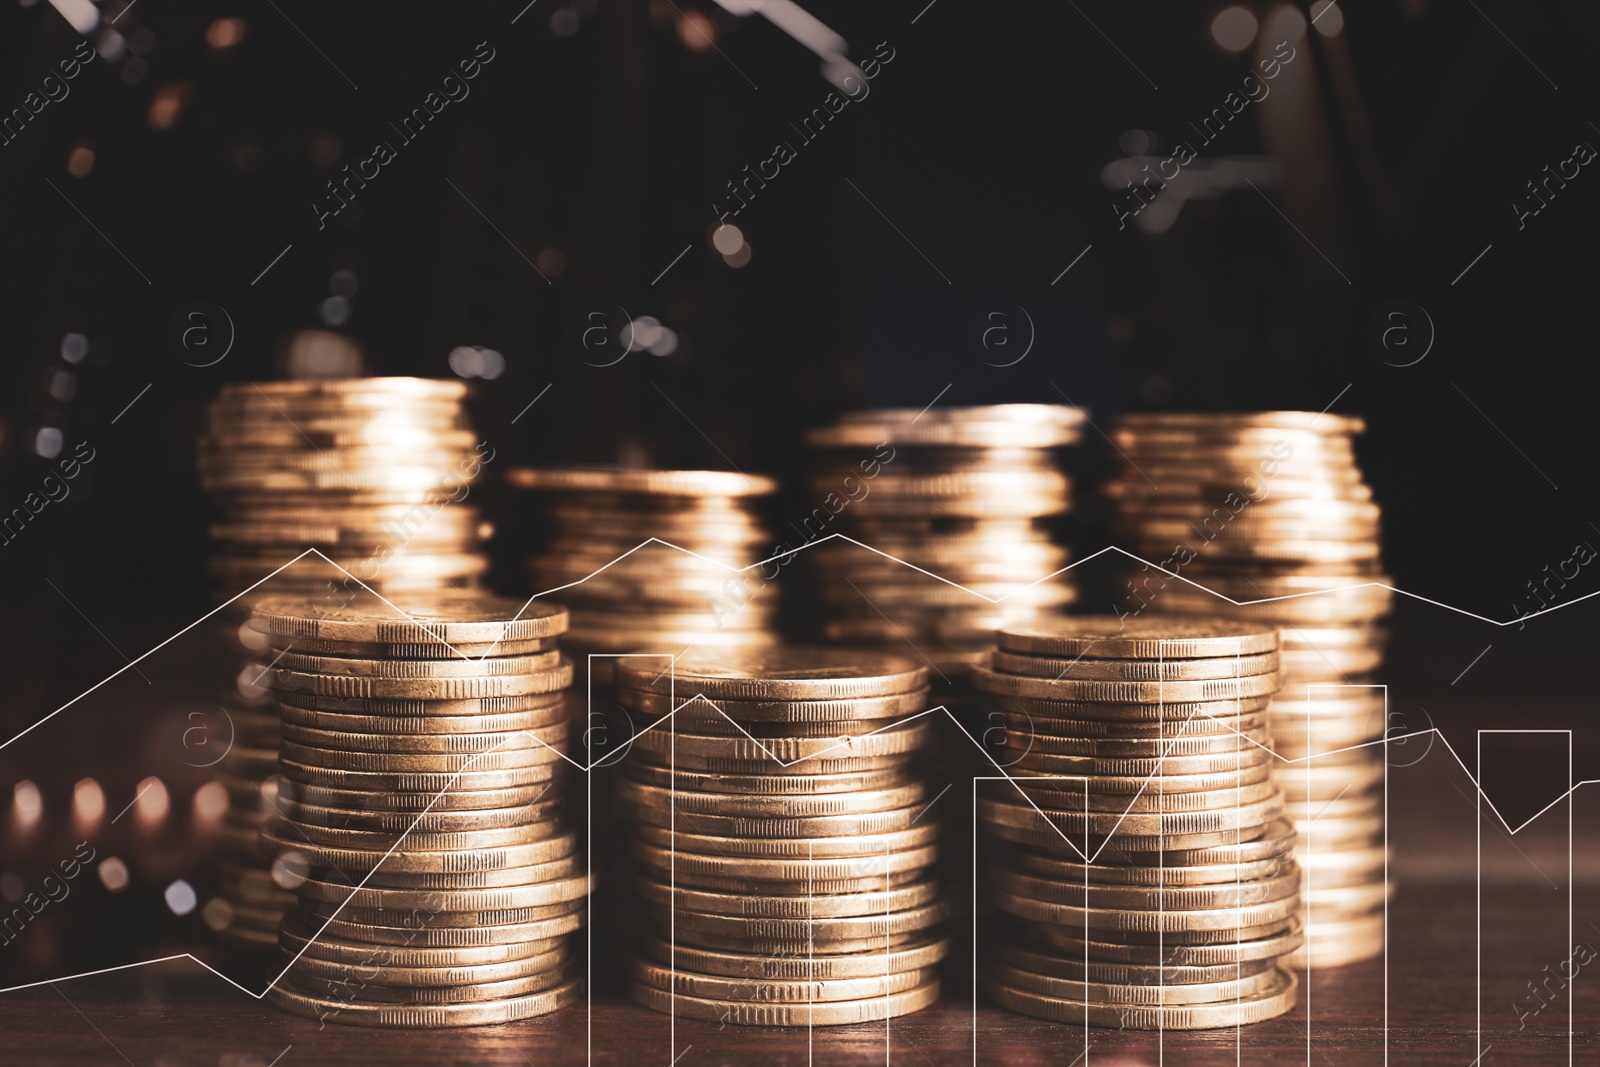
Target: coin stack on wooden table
1142, 865
371, 472
423, 760
655, 598
969, 494
781, 842
1272, 505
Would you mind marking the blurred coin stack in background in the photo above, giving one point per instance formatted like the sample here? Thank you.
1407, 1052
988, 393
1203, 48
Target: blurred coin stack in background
785, 880
1269, 505
969, 494
1161, 893
422, 759
655, 598
371, 472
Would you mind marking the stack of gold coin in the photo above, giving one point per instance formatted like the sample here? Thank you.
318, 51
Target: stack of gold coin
1271, 507
1142, 868
372, 473
638, 595
781, 845
419, 809
968, 494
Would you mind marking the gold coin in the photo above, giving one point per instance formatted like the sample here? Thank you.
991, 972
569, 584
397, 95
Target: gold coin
1139, 637
458, 667
452, 744
888, 741
352, 687
1118, 994
782, 869
376, 890
389, 800
298, 938
504, 759
774, 768
653, 482
1044, 738
508, 1009
1176, 898
1249, 764
441, 915
819, 887
770, 991
442, 841
1069, 798
1235, 947
450, 617
1133, 824
411, 860
1267, 1004
799, 847
383, 727
454, 881
1057, 668
1028, 768
820, 931
905, 955
779, 711
1111, 872
758, 806
1151, 920
779, 826
376, 993
458, 936
755, 1013
785, 674
1169, 722
1042, 963
791, 905
1127, 719
423, 708
352, 975
809, 783
416, 649
992, 681
422, 822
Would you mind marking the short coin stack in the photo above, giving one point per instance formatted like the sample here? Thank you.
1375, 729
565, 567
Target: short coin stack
1161, 892
1272, 505
655, 598
422, 759
966, 493
371, 472
781, 845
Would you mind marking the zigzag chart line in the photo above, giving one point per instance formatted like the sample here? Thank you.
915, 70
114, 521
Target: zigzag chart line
670, 717
732, 569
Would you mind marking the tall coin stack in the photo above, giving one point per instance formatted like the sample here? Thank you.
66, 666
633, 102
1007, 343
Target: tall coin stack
371, 472
423, 759
1161, 893
968, 494
1272, 505
781, 845
656, 598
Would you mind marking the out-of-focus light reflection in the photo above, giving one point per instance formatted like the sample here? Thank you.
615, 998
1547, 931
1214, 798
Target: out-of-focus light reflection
27, 806
1327, 18
1285, 23
1234, 28
180, 897
88, 805
210, 804
114, 874
151, 803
